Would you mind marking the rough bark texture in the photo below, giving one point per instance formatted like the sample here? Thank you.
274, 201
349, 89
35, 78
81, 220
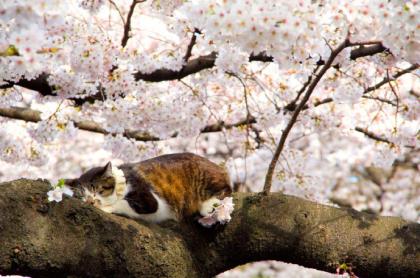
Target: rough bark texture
72, 239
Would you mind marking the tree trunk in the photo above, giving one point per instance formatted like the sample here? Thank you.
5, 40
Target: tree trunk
73, 239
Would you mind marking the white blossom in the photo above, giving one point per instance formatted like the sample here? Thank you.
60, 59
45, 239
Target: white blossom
56, 194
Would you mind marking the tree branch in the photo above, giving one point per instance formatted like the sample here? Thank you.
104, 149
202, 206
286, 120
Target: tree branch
291, 106
39, 84
384, 100
286, 131
71, 238
364, 51
30, 115
378, 85
191, 44
127, 25
372, 135
378, 138
193, 66
386, 80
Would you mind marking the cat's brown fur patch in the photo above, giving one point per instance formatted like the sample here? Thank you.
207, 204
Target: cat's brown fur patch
184, 180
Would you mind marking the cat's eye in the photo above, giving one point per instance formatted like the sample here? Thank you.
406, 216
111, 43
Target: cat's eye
107, 187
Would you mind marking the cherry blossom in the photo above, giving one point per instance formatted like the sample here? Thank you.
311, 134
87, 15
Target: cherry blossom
222, 213
57, 193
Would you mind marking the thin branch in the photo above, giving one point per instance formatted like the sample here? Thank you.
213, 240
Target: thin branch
191, 45
373, 136
30, 115
245, 90
378, 85
285, 133
118, 10
390, 102
378, 138
397, 99
127, 26
387, 79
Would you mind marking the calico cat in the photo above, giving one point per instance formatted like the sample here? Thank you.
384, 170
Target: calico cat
174, 186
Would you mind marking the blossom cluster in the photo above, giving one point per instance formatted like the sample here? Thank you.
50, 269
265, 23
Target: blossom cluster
221, 213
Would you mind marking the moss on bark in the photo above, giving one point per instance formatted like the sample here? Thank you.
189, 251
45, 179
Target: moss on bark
72, 239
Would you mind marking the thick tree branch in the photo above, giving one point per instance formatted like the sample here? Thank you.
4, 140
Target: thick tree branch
71, 238
30, 115
198, 64
39, 84
364, 51
193, 66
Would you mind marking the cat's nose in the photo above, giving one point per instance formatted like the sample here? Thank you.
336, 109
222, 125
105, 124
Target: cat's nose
90, 200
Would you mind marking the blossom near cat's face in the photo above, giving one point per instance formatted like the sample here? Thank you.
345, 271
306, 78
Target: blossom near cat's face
96, 186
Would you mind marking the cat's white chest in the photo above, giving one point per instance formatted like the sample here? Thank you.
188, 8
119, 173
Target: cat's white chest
122, 207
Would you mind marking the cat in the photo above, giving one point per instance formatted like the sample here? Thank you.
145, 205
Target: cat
174, 186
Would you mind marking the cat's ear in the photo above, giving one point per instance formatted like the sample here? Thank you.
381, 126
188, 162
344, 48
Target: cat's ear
107, 170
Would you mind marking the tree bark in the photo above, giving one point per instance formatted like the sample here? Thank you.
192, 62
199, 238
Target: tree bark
73, 239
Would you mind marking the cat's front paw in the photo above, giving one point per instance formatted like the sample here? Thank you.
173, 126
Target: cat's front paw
108, 209
209, 206
224, 210
220, 213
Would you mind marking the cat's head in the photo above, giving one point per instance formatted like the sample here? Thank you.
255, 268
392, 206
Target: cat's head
96, 186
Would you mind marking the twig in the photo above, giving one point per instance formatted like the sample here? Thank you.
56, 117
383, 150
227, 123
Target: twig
118, 10
397, 99
285, 133
390, 102
248, 113
373, 136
